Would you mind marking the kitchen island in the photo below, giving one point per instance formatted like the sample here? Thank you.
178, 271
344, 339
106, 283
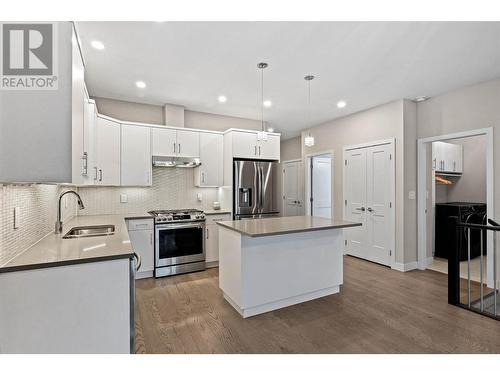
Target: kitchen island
267, 264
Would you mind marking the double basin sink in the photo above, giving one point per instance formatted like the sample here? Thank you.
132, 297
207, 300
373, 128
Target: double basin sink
90, 231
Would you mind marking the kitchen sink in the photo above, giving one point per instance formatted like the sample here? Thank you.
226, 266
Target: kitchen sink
90, 231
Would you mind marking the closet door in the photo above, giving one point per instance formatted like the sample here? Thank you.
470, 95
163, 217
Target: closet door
378, 201
355, 201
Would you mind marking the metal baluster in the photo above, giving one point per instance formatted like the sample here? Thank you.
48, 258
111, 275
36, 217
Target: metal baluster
481, 270
468, 267
495, 273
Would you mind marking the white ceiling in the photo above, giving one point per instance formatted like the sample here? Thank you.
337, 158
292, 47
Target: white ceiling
363, 63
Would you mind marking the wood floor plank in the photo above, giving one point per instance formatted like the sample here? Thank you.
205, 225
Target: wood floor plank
377, 311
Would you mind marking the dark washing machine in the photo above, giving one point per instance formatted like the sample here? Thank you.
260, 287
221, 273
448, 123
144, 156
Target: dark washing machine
467, 212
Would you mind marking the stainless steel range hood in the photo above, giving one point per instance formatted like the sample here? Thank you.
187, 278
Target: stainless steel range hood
177, 162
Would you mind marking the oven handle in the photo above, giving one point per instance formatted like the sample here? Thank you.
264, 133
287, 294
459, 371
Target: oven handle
176, 226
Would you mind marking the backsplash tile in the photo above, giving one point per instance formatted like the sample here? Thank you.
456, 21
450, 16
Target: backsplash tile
38, 204
171, 188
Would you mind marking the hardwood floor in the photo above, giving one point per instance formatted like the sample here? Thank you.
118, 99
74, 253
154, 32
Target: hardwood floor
377, 311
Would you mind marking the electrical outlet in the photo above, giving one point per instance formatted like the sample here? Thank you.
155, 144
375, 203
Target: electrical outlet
123, 198
199, 197
412, 195
17, 217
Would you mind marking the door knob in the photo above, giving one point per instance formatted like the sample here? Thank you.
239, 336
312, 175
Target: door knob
362, 209
369, 209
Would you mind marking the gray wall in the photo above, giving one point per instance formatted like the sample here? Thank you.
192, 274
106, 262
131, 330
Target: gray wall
154, 114
35, 126
291, 149
379, 123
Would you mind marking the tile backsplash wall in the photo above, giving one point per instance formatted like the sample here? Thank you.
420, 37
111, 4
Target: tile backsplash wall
171, 188
38, 210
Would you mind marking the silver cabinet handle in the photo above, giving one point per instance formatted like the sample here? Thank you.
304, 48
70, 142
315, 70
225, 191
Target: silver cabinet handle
259, 150
85, 164
454, 166
100, 174
369, 209
179, 148
95, 175
255, 150
138, 262
151, 238
360, 209
207, 234
203, 177
174, 147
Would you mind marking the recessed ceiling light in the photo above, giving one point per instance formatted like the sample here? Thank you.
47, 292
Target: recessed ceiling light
267, 103
341, 104
222, 99
421, 98
97, 44
270, 130
140, 84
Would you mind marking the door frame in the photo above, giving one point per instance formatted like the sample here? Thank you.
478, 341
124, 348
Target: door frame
283, 162
307, 181
392, 210
422, 144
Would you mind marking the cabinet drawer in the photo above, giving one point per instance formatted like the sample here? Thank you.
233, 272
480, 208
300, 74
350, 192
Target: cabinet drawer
140, 224
211, 219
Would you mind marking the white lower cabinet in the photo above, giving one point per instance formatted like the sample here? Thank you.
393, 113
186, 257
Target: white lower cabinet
212, 238
140, 232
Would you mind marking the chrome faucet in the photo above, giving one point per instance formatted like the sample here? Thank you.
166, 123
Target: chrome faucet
59, 224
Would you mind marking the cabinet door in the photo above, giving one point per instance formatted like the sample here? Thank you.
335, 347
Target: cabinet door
439, 155
135, 155
188, 143
142, 243
107, 166
270, 148
164, 142
212, 243
209, 173
459, 155
245, 145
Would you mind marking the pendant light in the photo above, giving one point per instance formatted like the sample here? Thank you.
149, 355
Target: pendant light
309, 139
262, 135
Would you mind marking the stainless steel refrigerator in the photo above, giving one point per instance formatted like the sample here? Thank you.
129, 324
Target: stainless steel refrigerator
255, 189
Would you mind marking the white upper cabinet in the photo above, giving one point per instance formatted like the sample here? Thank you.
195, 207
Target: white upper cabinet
135, 155
269, 148
107, 163
172, 142
188, 143
447, 157
89, 125
210, 172
164, 142
244, 145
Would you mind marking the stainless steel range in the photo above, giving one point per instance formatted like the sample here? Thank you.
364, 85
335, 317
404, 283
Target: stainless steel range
179, 241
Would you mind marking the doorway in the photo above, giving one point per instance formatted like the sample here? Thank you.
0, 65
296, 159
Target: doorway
426, 178
293, 188
319, 176
369, 196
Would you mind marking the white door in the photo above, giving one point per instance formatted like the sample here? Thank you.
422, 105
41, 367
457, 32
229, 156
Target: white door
210, 173
270, 148
378, 200
245, 145
164, 142
355, 200
135, 155
322, 186
107, 167
292, 192
368, 195
188, 143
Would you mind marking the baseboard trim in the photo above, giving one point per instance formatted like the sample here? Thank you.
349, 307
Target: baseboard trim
212, 264
405, 267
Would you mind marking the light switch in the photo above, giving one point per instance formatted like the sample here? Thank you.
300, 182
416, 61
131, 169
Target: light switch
412, 195
123, 198
17, 217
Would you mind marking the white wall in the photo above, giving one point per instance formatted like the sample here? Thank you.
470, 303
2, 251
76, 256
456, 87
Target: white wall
382, 122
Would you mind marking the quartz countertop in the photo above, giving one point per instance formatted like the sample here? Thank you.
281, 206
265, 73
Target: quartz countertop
217, 212
284, 225
53, 250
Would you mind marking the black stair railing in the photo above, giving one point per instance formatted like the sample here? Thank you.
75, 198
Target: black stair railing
474, 295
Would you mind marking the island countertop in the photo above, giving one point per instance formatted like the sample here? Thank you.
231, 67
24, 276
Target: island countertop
53, 250
284, 225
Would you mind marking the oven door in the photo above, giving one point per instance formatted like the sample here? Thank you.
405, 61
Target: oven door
179, 243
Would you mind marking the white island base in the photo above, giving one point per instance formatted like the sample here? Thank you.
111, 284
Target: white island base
265, 273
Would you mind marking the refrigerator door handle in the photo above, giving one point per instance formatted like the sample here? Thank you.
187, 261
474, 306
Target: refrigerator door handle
261, 170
